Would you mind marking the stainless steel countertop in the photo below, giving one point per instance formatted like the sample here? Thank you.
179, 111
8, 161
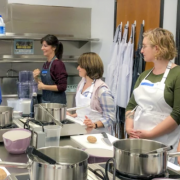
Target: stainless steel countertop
22, 158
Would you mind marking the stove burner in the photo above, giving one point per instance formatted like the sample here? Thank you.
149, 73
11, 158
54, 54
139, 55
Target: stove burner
127, 177
9, 126
40, 123
66, 121
121, 176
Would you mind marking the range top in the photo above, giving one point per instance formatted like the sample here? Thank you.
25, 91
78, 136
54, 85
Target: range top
9, 126
120, 176
91, 176
69, 127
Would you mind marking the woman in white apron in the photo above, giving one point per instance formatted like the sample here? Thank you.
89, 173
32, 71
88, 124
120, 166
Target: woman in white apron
153, 111
93, 95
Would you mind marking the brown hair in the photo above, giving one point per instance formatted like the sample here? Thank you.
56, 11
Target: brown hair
164, 39
93, 65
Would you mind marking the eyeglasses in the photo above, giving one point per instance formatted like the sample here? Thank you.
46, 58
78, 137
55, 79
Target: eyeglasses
144, 46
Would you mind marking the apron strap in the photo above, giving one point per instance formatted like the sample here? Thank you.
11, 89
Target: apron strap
52, 61
132, 33
124, 39
119, 36
148, 73
166, 72
140, 37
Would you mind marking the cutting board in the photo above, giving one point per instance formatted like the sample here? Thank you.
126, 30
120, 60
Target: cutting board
83, 142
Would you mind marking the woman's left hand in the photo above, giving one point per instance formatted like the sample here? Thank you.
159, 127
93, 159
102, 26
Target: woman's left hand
40, 86
144, 134
88, 122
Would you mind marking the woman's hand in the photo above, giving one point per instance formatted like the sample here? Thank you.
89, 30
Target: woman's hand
41, 86
144, 134
72, 115
89, 123
36, 73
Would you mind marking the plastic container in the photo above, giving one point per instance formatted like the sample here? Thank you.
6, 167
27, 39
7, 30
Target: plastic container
33, 88
12, 103
52, 135
26, 76
24, 105
24, 90
33, 102
2, 27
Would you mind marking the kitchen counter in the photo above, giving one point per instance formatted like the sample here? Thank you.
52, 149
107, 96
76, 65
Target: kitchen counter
22, 158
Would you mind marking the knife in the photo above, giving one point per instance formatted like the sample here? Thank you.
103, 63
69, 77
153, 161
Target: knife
105, 139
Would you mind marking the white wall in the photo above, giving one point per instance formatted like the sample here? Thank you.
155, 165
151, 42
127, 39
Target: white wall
102, 21
170, 15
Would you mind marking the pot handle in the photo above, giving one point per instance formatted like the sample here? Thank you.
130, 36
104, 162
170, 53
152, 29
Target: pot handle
107, 167
14, 165
174, 154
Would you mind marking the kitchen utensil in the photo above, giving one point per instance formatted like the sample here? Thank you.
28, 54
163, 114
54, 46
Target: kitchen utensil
52, 135
83, 142
5, 115
50, 115
97, 155
24, 105
130, 158
24, 90
72, 164
25, 76
105, 139
16, 141
17, 114
31, 151
58, 111
160, 150
12, 102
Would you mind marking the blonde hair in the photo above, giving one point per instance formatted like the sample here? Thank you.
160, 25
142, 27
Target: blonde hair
93, 65
164, 39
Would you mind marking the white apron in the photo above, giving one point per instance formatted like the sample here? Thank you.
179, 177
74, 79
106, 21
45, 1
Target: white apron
113, 62
122, 49
125, 73
152, 109
81, 100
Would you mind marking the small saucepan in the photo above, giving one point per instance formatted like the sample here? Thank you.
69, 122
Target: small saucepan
132, 158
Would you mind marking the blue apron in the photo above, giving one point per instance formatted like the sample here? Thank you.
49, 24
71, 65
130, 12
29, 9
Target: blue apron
51, 96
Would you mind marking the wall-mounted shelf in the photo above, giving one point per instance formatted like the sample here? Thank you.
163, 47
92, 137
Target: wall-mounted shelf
33, 36
33, 58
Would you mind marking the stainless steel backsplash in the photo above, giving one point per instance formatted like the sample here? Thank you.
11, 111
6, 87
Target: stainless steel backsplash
67, 22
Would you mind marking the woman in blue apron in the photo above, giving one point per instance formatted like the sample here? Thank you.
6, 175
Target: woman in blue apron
153, 111
93, 96
53, 75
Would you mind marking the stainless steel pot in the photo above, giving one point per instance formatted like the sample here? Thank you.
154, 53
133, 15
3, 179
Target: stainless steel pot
5, 115
72, 164
57, 110
130, 158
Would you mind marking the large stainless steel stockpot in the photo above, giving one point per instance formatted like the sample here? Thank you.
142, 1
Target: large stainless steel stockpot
5, 115
131, 158
72, 164
56, 109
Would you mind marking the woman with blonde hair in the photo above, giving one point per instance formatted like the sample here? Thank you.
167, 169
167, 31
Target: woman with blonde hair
153, 111
93, 94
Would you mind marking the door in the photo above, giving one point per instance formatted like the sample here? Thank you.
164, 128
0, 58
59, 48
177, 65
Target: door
151, 11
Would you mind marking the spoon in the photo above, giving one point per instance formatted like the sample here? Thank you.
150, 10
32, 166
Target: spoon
33, 152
